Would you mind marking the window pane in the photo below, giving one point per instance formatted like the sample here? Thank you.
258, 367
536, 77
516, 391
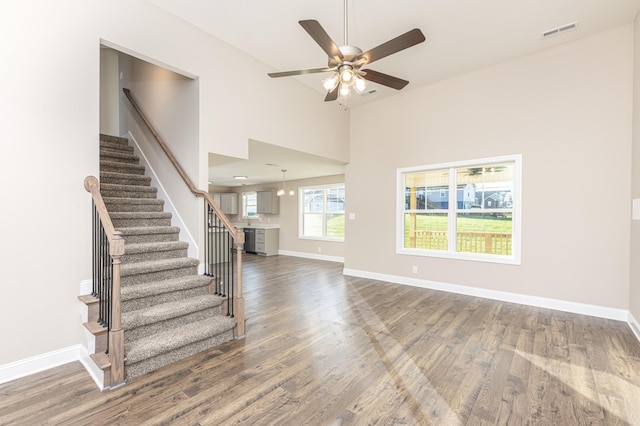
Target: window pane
427, 190
312, 225
485, 187
314, 200
489, 233
335, 225
335, 200
426, 231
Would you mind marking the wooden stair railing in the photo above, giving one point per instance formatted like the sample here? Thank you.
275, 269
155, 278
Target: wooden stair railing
106, 281
237, 235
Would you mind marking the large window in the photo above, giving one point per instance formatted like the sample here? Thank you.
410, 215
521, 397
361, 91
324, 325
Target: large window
464, 210
249, 205
321, 212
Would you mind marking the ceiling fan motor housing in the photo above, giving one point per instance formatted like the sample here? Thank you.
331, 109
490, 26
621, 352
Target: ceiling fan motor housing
349, 53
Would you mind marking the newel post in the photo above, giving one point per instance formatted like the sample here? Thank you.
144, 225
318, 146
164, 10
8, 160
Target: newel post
116, 335
238, 306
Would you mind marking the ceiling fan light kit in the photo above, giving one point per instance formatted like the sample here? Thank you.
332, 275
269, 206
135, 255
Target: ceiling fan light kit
345, 62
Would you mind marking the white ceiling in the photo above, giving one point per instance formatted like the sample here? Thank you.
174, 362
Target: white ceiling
461, 35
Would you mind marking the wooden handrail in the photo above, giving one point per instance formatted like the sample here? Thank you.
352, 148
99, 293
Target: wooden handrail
195, 191
116, 251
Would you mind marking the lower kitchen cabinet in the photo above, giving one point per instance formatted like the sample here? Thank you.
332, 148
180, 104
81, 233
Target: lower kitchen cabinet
267, 241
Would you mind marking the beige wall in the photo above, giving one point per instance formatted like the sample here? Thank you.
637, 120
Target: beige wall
567, 110
634, 295
288, 218
51, 120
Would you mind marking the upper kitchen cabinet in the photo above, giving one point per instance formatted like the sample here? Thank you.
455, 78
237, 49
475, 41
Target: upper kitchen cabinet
228, 202
268, 202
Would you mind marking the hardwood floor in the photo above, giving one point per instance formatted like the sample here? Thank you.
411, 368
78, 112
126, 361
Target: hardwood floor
324, 349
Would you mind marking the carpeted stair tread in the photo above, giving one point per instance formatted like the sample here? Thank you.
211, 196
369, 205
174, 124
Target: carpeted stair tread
157, 266
118, 155
115, 146
148, 230
111, 190
140, 252
124, 178
140, 218
167, 286
115, 139
152, 247
116, 166
137, 215
167, 311
178, 337
133, 204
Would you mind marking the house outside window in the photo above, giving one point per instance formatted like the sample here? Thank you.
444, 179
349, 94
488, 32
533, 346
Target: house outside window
464, 210
321, 212
250, 205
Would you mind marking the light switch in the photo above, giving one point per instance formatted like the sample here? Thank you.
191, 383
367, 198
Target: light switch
352, 216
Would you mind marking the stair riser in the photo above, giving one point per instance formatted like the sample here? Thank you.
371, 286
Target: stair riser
126, 207
150, 238
143, 367
134, 223
158, 275
155, 255
174, 296
125, 194
122, 168
134, 180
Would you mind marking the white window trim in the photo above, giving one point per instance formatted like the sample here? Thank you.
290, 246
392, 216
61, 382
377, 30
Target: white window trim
301, 190
514, 259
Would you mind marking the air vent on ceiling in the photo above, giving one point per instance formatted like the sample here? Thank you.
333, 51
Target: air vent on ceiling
370, 92
560, 29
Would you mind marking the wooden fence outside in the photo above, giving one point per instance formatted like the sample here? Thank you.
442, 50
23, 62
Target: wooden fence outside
468, 242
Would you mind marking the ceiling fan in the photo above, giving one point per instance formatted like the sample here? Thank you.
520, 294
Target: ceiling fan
346, 62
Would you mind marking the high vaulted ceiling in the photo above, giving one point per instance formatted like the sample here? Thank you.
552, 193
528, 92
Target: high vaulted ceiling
461, 36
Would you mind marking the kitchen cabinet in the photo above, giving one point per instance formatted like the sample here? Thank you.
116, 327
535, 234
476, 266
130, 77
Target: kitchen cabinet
267, 202
228, 202
267, 241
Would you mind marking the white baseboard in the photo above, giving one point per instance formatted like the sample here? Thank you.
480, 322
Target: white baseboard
540, 302
635, 325
35, 364
28, 366
86, 287
311, 256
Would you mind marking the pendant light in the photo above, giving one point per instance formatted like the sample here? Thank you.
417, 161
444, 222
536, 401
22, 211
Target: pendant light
283, 190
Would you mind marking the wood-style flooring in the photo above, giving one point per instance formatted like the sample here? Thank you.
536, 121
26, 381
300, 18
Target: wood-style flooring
324, 349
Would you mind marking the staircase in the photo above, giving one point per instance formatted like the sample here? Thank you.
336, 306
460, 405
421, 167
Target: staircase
168, 311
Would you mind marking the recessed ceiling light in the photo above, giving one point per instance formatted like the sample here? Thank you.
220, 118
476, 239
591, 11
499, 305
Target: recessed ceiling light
240, 177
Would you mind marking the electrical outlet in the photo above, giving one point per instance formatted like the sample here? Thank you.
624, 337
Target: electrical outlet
414, 269
319, 249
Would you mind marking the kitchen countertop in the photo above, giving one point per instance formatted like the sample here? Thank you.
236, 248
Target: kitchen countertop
257, 225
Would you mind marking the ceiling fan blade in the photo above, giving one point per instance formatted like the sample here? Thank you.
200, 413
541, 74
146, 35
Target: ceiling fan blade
404, 41
299, 72
385, 79
321, 37
332, 95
